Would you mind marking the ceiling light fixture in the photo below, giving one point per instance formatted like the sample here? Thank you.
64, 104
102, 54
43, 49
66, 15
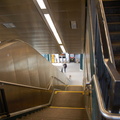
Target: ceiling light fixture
51, 24
41, 4
63, 49
9, 25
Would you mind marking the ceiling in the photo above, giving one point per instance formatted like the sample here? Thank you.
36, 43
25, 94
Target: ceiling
30, 26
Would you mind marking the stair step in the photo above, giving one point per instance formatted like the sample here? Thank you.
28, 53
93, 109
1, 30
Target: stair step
113, 18
118, 69
114, 27
115, 10
74, 88
58, 114
117, 61
68, 99
66, 105
112, 11
116, 48
111, 3
115, 37
116, 43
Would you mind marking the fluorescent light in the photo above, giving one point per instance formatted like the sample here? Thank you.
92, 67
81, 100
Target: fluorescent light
50, 22
63, 49
41, 4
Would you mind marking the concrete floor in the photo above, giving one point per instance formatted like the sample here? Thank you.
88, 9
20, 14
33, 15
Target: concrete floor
73, 70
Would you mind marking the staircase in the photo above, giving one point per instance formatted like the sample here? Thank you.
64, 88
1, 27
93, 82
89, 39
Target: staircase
66, 105
112, 11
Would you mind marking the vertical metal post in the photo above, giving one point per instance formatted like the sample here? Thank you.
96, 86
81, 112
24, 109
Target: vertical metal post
81, 61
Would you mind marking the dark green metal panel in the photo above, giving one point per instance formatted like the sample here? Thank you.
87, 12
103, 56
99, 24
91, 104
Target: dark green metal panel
81, 61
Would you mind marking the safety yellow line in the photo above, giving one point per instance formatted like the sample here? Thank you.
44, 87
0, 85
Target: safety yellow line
76, 85
66, 107
70, 92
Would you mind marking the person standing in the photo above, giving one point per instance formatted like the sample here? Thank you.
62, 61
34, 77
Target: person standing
64, 67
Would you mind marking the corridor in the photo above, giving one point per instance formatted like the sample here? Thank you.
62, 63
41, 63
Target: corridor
73, 70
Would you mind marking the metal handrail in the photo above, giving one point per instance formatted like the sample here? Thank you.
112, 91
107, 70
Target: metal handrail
33, 108
27, 86
20, 85
100, 100
101, 104
53, 80
59, 80
104, 21
112, 70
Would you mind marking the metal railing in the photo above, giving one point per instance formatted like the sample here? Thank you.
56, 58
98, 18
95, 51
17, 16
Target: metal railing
104, 112
32, 87
2, 83
105, 73
52, 81
104, 27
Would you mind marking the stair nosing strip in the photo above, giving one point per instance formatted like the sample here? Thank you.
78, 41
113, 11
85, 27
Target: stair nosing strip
66, 107
115, 32
82, 92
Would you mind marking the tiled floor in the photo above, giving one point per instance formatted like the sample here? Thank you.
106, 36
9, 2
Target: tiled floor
73, 70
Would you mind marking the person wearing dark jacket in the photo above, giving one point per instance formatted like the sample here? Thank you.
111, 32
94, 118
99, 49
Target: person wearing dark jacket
64, 67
